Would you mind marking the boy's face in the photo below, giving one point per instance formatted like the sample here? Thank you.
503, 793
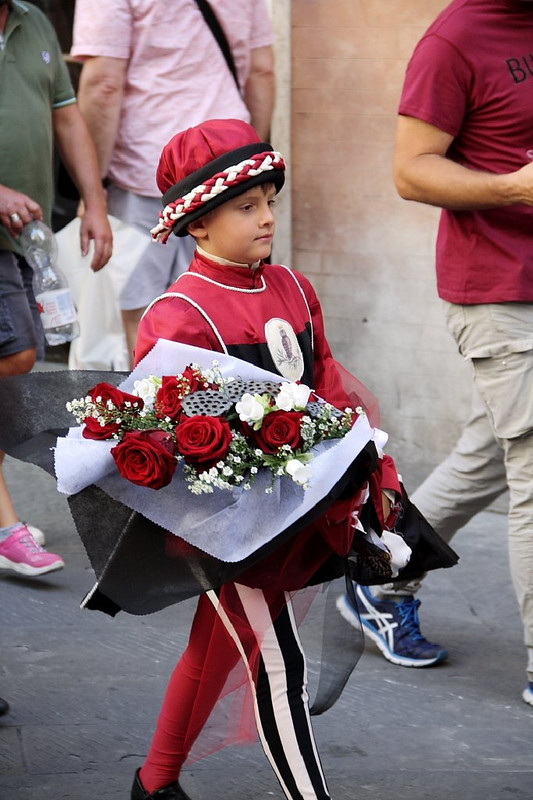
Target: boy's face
240, 230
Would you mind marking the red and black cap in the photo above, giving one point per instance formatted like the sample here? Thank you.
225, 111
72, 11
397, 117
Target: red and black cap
202, 167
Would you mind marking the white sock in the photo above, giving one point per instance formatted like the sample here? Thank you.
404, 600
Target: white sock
5, 533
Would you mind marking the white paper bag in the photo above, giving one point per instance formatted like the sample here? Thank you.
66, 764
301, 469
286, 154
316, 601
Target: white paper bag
102, 342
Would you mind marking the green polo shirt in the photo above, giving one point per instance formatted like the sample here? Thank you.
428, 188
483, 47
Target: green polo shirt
34, 80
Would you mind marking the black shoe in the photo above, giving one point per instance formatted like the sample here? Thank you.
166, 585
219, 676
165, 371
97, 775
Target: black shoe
4, 707
172, 792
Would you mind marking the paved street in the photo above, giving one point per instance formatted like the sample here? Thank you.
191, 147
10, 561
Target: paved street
84, 689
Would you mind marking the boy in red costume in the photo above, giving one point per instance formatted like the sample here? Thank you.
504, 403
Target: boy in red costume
219, 183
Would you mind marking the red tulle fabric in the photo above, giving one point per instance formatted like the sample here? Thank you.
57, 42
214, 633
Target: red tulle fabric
209, 702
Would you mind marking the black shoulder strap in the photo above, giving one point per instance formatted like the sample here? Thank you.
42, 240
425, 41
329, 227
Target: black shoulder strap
218, 32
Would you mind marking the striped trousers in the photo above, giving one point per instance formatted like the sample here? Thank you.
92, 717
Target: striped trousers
258, 627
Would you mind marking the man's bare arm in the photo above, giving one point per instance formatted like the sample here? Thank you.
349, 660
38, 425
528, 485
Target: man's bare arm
79, 156
260, 90
100, 96
423, 172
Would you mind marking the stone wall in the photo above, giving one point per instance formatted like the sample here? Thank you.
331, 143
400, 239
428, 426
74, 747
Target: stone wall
370, 254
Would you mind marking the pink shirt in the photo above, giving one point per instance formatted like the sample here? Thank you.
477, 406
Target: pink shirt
176, 77
472, 76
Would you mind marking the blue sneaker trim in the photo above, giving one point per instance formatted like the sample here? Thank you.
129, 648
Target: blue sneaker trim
393, 627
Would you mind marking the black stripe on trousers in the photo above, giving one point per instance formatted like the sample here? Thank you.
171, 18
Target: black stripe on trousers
294, 661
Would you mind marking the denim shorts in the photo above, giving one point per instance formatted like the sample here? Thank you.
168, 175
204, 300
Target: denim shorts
20, 324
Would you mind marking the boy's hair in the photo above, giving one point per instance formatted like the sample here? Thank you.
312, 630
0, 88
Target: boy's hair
207, 165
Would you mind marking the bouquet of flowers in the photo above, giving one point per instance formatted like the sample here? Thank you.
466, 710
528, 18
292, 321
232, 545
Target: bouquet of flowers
224, 429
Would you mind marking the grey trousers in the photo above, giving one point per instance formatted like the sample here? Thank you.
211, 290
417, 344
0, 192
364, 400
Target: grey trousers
495, 450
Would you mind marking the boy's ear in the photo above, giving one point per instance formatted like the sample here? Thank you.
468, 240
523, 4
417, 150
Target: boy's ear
197, 229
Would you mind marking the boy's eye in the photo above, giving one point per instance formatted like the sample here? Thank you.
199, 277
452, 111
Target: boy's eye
271, 203
247, 207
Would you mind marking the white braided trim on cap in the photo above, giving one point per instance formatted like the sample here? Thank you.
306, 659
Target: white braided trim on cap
219, 183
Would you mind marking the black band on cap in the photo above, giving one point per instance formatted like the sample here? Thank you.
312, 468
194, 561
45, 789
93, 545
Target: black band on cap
221, 163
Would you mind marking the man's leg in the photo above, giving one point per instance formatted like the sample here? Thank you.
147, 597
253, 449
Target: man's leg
498, 339
21, 341
461, 486
466, 482
519, 462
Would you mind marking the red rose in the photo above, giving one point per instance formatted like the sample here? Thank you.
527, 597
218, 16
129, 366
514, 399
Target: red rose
93, 429
174, 389
146, 458
203, 440
168, 398
278, 428
100, 394
119, 398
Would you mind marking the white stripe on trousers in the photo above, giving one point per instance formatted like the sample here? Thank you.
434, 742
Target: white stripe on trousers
291, 750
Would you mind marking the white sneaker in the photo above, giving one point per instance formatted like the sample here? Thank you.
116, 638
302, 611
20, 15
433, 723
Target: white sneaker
37, 534
527, 695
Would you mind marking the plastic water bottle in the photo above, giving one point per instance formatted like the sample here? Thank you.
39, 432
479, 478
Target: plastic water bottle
54, 300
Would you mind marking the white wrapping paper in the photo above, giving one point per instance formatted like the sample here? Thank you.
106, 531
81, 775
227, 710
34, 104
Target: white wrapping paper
229, 525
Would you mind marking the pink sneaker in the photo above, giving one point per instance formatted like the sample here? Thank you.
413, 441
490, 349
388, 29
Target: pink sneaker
21, 553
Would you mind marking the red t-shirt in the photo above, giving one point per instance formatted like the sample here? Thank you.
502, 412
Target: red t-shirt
471, 76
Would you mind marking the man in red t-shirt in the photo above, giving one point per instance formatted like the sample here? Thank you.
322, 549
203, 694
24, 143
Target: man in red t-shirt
465, 143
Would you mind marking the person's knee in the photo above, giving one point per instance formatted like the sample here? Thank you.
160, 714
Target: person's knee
18, 363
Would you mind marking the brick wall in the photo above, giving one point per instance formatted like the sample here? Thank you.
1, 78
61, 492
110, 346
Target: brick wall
370, 254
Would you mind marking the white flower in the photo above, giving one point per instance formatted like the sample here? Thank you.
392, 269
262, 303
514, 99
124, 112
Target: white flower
146, 390
300, 473
292, 395
249, 409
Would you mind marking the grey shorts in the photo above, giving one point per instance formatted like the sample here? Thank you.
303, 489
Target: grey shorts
20, 324
160, 265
